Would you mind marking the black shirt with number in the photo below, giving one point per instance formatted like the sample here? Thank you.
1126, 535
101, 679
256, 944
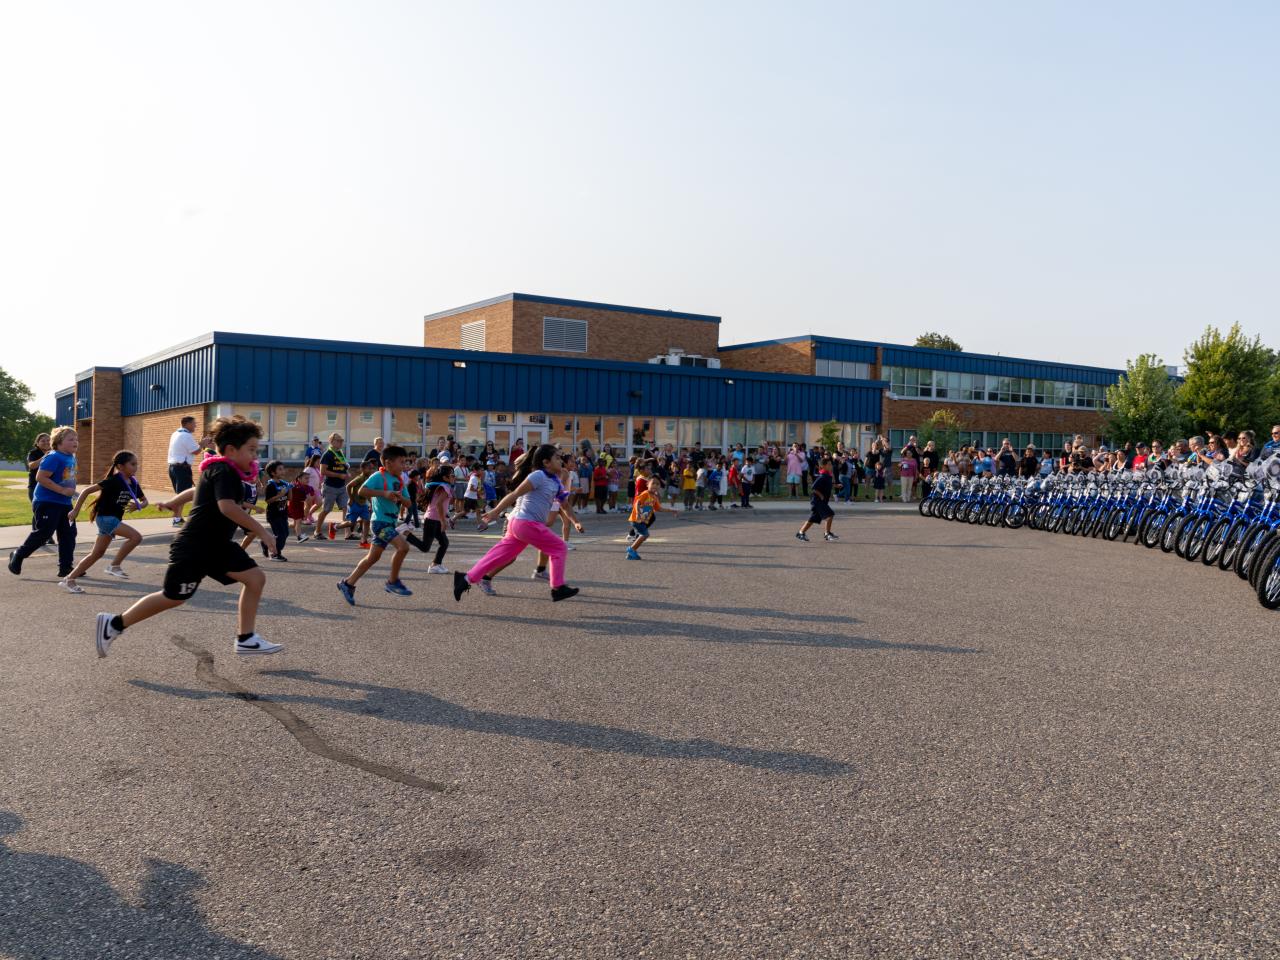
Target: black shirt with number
114, 496
206, 523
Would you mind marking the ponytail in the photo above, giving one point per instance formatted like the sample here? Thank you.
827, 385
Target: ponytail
532, 460
120, 459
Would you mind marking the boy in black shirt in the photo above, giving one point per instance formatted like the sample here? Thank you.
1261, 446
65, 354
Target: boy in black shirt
204, 547
820, 503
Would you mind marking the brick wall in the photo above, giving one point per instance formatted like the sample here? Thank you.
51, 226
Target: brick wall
147, 435
445, 333
615, 334
107, 432
794, 358
909, 414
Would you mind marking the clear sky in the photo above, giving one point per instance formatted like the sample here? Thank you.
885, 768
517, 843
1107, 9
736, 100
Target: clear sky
1067, 181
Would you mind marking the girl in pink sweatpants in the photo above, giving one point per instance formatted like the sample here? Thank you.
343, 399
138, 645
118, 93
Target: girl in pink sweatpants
535, 485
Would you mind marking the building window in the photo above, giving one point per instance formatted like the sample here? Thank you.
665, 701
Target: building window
564, 336
472, 335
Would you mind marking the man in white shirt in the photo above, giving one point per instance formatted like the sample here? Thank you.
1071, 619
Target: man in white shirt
183, 448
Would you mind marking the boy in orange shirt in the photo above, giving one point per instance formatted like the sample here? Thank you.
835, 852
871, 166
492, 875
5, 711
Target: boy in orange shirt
643, 511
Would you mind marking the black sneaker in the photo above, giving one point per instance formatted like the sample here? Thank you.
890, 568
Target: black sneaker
801, 536
265, 552
563, 592
460, 585
830, 536
15, 563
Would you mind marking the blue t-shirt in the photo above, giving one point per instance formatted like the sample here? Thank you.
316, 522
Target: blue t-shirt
62, 471
384, 510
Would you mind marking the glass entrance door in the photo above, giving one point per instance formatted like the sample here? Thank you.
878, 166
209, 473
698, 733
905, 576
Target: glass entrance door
501, 437
534, 437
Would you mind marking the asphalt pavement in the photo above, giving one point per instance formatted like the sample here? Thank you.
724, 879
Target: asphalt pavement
923, 740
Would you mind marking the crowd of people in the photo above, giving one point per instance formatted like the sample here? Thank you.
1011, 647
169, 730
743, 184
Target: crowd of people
394, 500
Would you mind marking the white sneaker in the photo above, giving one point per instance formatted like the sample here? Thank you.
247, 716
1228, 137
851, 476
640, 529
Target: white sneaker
256, 645
70, 586
104, 633
437, 568
487, 588
540, 575
569, 546
117, 573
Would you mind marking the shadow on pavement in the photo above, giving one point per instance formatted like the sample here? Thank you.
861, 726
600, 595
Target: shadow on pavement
57, 908
414, 706
701, 633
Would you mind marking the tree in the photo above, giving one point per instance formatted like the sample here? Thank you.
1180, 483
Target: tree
1143, 404
830, 435
938, 341
943, 428
18, 425
1226, 386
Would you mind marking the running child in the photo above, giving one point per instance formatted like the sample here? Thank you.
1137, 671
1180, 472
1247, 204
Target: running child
358, 512
471, 494
204, 546
436, 492
536, 483
643, 512
385, 489
820, 503
301, 495
277, 494
51, 504
490, 485
118, 493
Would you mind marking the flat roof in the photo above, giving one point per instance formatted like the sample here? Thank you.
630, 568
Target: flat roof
931, 351
563, 302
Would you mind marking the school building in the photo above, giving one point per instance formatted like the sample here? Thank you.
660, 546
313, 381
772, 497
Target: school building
568, 371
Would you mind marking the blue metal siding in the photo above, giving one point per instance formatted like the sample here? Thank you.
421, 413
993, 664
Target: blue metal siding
325, 374
187, 380
64, 407
949, 360
84, 399
848, 352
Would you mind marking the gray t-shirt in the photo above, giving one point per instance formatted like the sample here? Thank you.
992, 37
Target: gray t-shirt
537, 503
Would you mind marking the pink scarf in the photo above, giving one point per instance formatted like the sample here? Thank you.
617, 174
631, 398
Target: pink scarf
250, 477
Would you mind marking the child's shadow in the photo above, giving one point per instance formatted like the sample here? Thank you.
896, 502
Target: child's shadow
59, 907
414, 706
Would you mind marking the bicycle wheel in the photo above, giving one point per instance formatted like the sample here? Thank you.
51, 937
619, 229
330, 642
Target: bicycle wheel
1215, 541
1268, 588
1169, 536
1198, 540
1254, 537
1014, 515
1115, 523
1231, 544
1264, 558
1151, 529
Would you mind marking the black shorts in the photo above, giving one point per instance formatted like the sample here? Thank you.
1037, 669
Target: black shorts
191, 563
180, 477
820, 510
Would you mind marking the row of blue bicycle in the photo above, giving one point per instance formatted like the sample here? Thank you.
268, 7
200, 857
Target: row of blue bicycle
1222, 515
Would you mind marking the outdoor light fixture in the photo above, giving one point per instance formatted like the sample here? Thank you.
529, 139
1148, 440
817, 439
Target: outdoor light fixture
729, 382
460, 364
156, 386
636, 394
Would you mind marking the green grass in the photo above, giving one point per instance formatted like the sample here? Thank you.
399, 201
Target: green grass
15, 509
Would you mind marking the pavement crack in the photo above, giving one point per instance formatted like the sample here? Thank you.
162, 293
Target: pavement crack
298, 728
